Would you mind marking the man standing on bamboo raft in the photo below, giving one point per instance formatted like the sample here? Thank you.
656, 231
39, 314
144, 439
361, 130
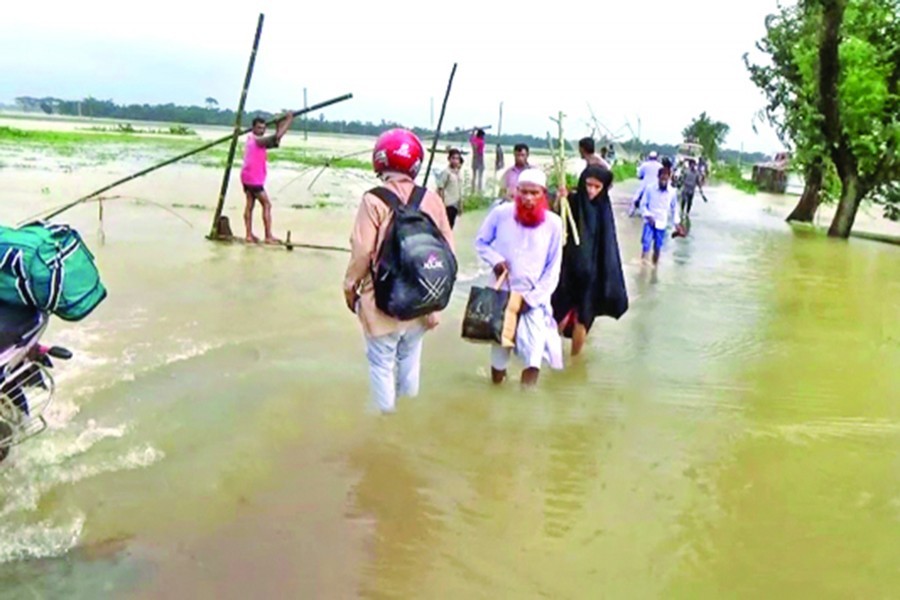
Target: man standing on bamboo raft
253, 174
522, 241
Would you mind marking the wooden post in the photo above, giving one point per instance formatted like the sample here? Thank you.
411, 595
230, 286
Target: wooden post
437, 132
237, 128
499, 133
305, 131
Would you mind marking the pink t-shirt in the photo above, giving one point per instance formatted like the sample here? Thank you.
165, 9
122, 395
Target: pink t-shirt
477, 145
255, 156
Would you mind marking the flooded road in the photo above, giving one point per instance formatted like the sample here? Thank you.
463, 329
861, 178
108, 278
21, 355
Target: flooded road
735, 434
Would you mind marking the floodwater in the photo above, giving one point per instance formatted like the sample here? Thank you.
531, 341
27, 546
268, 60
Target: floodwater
736, 434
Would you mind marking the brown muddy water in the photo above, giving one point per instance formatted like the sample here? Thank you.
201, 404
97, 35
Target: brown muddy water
736, 434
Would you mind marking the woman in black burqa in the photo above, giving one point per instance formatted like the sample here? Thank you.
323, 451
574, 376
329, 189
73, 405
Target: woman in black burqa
591, 283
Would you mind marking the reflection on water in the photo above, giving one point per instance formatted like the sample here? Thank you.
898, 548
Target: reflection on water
735, 434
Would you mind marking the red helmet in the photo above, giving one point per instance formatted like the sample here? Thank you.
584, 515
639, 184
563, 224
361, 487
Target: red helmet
398, 150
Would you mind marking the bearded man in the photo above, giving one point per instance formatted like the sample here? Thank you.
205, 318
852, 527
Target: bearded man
523, 239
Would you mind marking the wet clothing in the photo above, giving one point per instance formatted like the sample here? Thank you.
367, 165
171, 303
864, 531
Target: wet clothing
253, 173
537, 341
534, 256
652, 237
591, 283
395, 362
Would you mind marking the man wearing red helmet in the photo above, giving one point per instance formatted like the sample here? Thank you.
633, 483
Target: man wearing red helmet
522, 241
393, 347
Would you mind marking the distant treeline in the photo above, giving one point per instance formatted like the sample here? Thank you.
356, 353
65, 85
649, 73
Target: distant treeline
211, 114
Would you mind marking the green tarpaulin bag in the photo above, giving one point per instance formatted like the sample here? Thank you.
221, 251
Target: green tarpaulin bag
49, 267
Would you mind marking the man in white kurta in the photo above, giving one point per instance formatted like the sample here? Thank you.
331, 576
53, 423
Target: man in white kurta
524, 239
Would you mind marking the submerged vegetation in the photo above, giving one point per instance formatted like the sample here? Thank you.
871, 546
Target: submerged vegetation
129, 128
90, 146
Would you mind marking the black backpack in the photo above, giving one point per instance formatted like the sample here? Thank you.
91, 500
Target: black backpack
415, 269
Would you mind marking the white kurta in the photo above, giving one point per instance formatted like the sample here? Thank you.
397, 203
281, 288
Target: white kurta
534, 255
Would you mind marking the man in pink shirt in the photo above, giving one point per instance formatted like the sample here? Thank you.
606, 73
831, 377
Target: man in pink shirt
511, 176
477, 141
253, 173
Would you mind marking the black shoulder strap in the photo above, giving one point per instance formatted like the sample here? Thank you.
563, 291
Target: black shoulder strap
415, 199
388, 197
391, 199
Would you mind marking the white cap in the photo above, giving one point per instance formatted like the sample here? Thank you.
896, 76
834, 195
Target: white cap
535, 176
653, 154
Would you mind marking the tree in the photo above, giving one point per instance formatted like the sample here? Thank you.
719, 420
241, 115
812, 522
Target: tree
708, 133
832, 90
859, 76
791, 99
212, 103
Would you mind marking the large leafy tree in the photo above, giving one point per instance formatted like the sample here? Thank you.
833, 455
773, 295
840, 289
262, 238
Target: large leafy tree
832, 90
708, 133
859, 98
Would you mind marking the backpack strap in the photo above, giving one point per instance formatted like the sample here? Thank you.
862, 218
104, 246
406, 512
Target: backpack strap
388, 197
391, 199
415, 199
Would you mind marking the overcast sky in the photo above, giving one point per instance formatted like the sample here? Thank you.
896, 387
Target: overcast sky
657, 63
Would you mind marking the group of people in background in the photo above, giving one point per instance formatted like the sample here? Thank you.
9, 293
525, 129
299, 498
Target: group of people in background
565, 281
657, 200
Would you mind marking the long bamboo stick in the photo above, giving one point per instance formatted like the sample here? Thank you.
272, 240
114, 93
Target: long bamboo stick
239, 115
559, 161
175, 159
437, 132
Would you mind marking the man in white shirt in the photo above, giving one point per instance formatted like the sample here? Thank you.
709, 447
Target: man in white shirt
647, 174
658, 203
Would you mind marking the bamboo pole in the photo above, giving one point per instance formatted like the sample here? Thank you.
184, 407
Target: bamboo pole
305, 128
559, 162
175, 159
437, 132
239, 115
496, 165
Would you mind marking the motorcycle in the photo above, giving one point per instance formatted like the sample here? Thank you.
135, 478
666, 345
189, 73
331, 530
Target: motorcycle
26, 381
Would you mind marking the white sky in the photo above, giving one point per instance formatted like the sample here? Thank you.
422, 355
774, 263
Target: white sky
662, 61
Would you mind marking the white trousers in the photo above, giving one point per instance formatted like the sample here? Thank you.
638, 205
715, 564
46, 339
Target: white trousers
395, 361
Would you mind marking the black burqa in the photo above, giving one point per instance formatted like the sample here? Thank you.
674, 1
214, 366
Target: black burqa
591, 283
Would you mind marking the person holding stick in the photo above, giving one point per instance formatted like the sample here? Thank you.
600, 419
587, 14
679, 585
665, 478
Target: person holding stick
253, 174
591, 283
